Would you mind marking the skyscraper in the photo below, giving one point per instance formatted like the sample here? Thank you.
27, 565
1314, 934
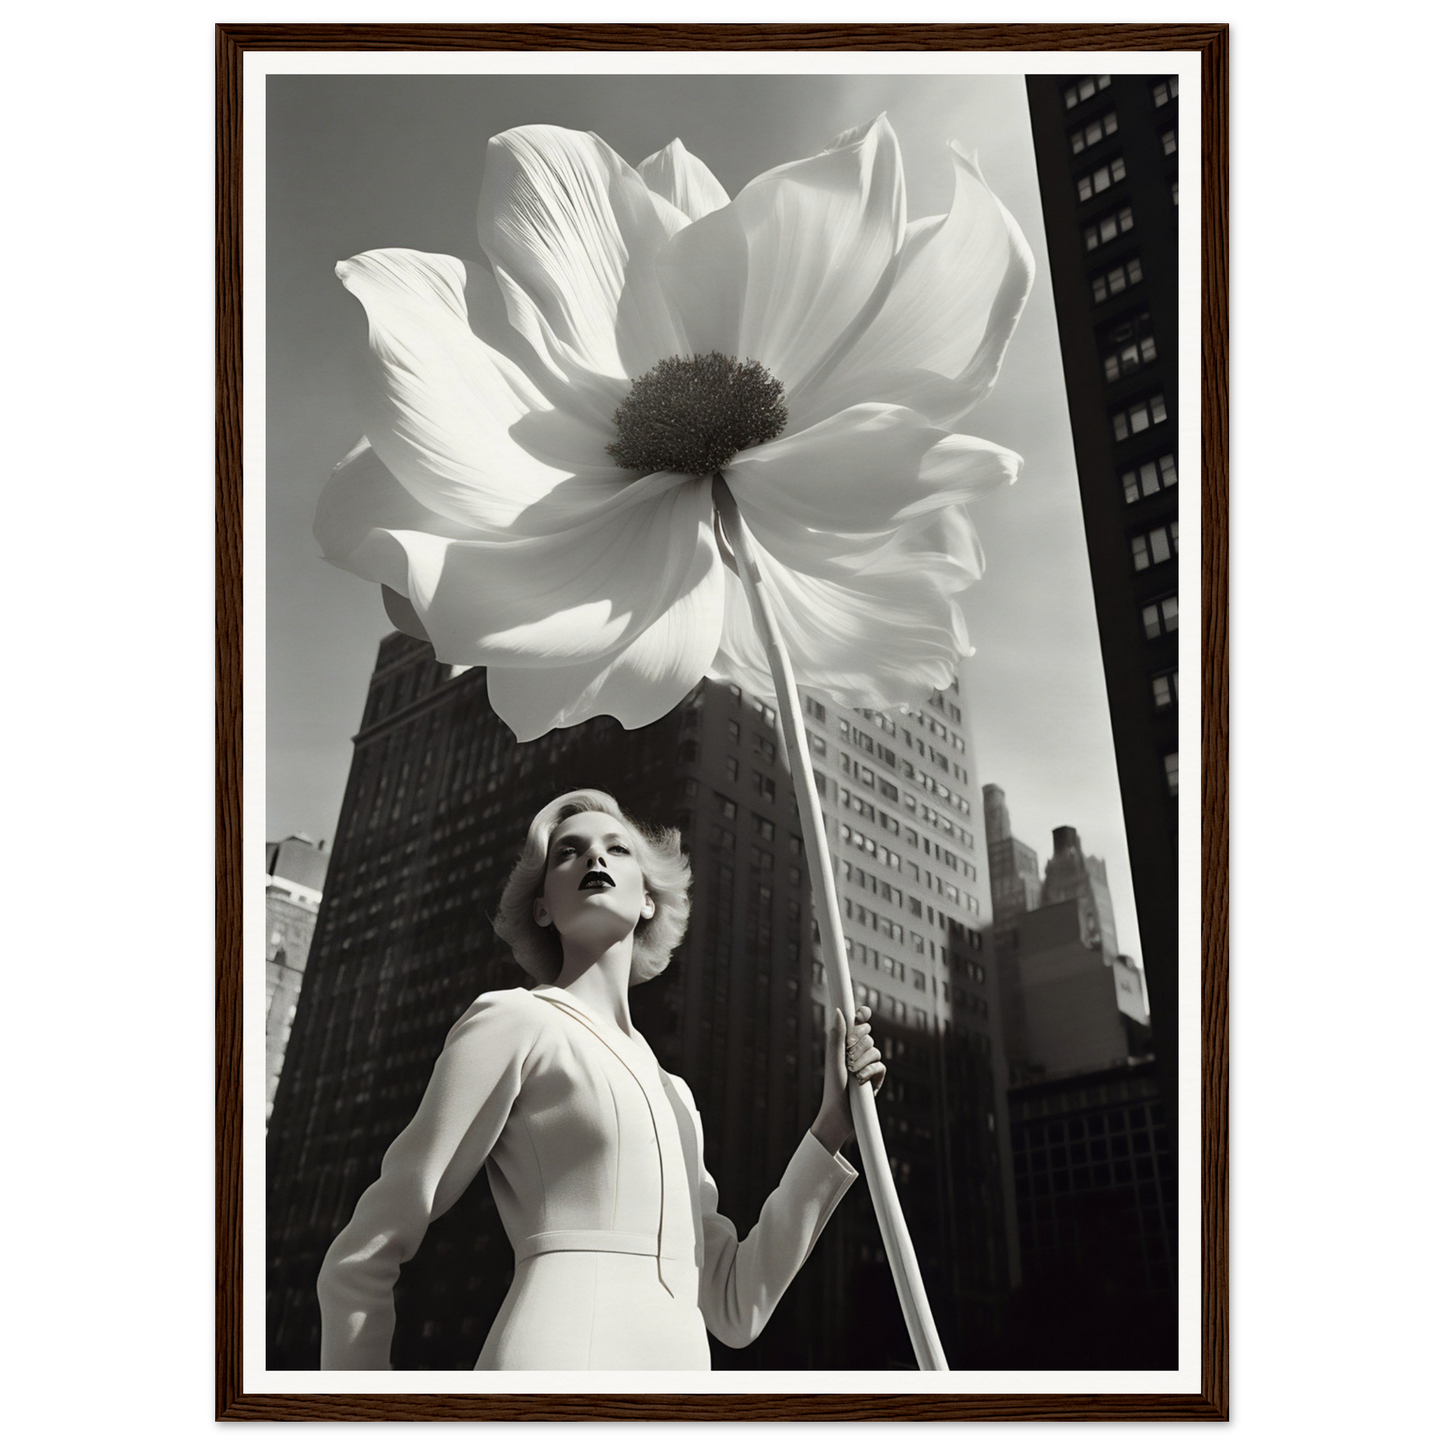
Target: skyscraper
1073, 874
1107, 150
1016, 889
435, 810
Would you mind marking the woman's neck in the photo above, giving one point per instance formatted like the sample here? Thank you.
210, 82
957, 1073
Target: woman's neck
601, 982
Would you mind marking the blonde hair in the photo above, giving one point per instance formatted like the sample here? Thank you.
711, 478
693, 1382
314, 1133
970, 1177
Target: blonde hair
665, 871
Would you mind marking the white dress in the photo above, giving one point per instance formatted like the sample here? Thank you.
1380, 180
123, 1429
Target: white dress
594, 1155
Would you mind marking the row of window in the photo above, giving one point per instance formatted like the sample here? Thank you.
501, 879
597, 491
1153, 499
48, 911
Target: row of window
1106, 228
1159, 544
1139, 416
1113, 280
1126, 344
1085, 89
1164, 91
1160, 617
1100, 179
1095, 131
1149, 477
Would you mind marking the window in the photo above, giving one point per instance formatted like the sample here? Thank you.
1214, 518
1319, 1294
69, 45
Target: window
817, 744
1127, 346
1117, 278
1084, 89
765, 786
1171, 772
763, 828
726, 806
1166, 688
735, 733
1149, 478
768, 749
1159, 544
1168, 141
1161, 617
1108, 174
760, 858
1166, 91
1139, 416
1094, 132
732, 770
1105, 230
816, 709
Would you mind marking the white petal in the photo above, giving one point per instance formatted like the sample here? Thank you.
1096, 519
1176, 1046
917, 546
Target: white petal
639, 685
580, 594
784, 271
865, 472
573, 233
950, 312
461, 426
361, 497
878, 639
677, 175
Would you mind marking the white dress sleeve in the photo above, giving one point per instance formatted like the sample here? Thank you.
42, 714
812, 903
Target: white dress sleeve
473, 1086
743, 1280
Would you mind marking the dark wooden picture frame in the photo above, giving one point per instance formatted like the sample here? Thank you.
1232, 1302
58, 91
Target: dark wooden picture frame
1211, 1403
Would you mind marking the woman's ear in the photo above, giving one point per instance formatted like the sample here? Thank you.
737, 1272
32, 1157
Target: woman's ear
539, 913
648, 906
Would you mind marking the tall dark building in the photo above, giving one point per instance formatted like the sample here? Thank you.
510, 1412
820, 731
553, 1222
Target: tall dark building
435, 810
1098, 1206
1107, 154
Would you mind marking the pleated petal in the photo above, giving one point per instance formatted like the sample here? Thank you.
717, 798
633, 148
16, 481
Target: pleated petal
879, 639
816, 496
579, 594
642, 683
677, 175
458, 423
939, 337
780, 274
573, 233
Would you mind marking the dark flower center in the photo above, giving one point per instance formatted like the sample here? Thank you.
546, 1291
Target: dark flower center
694, 414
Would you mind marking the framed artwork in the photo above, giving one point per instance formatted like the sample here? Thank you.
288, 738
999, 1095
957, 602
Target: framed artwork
1098, 689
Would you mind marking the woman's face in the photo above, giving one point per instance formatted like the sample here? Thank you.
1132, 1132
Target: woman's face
593, 889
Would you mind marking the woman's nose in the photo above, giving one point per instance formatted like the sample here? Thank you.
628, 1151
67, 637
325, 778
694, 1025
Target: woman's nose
598, 859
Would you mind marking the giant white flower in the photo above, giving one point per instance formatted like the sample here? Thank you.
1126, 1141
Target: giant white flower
534, 492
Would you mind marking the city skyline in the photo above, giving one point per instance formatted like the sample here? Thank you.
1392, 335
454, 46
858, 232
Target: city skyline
408, 176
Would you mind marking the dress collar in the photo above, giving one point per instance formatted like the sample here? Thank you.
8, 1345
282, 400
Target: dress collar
553, 994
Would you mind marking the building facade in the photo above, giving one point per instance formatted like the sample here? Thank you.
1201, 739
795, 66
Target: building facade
1107, 148
1072, 875
436, 807
1098, 1207
295, 878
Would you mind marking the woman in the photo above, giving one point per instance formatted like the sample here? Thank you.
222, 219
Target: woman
593, 1151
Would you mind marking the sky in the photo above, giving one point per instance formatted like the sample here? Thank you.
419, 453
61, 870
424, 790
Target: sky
359, 162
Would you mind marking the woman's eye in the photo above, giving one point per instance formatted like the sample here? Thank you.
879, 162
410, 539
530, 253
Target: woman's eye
620, 848
565, 853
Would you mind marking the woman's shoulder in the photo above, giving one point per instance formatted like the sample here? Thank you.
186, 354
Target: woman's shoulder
500, 1011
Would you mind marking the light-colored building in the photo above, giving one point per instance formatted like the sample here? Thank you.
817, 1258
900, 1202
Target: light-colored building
295, 878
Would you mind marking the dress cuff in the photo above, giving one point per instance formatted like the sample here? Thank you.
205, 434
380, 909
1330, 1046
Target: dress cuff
824, 1164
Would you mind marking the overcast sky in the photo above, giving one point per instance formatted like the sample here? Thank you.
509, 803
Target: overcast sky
360, 162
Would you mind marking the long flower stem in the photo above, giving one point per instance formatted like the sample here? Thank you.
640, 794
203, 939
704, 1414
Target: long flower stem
901, 1258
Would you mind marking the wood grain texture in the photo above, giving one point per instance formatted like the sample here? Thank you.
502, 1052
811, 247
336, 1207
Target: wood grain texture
228, 724
1211, 41
721, 37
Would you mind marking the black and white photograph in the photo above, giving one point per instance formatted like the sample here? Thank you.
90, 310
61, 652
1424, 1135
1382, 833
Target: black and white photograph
728, 540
